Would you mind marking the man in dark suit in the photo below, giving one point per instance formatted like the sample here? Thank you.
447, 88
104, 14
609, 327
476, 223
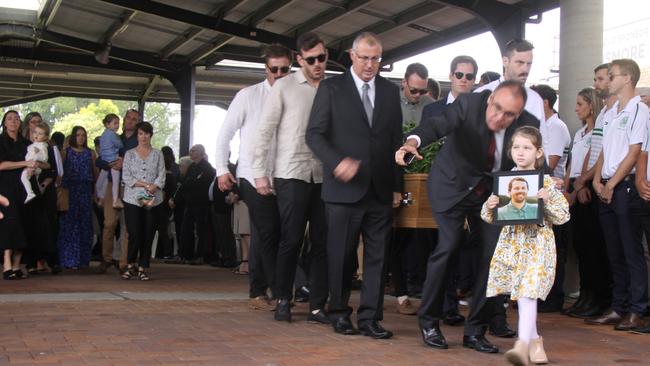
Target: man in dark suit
462, 74
478, 128
354, 128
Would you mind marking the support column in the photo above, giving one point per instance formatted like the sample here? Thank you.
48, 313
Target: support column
581, 50
185, 83
141, 106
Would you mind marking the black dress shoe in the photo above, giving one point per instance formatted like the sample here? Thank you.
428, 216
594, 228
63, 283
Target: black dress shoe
433, 337
594, 310
318, 317
301, 294
453, 319
502, 330
344, 326
372, 328
283, 311
479, 343
549, 306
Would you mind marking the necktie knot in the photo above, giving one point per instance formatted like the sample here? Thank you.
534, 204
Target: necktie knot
365, 87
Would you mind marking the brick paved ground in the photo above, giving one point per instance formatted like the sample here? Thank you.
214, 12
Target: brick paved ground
115, 330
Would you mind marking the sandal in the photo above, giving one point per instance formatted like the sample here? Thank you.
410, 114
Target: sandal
8, 275
143, 276
128, 273
238, 271
20, 274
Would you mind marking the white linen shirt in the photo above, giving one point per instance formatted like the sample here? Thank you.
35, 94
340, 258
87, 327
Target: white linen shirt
620, 130
534, 103
581, 144
556, 140
286, 115
243, 115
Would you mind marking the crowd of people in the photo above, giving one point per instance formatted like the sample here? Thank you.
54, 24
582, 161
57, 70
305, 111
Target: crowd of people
319, 178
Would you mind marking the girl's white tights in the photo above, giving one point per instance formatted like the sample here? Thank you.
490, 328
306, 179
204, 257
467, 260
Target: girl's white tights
527, 319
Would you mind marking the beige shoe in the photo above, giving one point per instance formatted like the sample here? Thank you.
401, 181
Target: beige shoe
536, 352
406, 308
261, 303
518, 355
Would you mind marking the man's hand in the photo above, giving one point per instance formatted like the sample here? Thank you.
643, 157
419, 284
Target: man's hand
226, 181
263, 186
4, 202
347, 169
492, 201
397, 198
117, 164
584, 196
408, 147
644, 189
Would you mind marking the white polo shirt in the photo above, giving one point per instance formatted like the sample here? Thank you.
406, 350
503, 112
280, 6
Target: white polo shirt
597, 138
556, 140
620, 130
581, 144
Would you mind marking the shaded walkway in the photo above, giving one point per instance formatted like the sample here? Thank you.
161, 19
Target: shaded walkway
199, 316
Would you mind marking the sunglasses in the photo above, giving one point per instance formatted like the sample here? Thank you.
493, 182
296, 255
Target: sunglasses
274, 69
613, 76
414, 91
312, 59
459, 75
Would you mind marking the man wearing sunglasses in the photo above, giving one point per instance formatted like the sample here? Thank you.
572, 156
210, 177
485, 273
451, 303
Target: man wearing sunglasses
243, 115
414, 93
297, 178
354, 123
517, 61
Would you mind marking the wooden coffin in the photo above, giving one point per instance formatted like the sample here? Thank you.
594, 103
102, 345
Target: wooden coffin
416, 214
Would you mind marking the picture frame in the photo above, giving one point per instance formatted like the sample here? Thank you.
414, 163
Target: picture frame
513, 208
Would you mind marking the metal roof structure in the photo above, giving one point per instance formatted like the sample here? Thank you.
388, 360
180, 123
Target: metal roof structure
173, 50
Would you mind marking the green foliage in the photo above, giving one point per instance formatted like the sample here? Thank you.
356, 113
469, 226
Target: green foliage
165, 119
428, 153
89, 117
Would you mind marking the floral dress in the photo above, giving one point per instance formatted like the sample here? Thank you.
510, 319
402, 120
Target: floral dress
523, 264
76, 227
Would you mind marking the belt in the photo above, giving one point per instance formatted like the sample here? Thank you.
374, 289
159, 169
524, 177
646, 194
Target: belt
629, 178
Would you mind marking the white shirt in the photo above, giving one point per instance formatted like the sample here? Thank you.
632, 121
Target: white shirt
597, 139
534, 103
581, 145
359, 83
243, 115
556, 140
450, 98
620, 130
285, 116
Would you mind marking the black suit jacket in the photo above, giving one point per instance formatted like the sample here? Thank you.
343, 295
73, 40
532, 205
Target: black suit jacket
338, 128
434, 109
462, 161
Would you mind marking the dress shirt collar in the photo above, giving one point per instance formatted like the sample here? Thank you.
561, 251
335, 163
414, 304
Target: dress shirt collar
359, 83
266, 85
450, 98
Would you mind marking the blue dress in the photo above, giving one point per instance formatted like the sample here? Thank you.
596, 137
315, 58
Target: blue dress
76, 229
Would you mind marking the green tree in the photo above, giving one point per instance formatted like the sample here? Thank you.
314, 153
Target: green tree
165, 118
89, 117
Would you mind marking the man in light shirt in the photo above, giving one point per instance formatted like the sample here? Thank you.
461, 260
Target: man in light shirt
297, 178
624, 132
517, 61
243, 116
414, 97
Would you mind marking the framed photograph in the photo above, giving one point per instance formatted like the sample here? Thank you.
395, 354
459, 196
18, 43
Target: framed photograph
518, 202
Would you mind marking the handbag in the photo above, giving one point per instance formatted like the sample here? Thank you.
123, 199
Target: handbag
62, 199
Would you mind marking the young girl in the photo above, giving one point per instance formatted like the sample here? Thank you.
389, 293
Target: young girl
36, 151
523, 264
110, 145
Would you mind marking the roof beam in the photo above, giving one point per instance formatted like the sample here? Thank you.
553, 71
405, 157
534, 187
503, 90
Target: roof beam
252, 19
404, 18
62, 82
202, 21
118, 26
194, 32
47, 12
28, 99
435, 40
149, 88
327, 17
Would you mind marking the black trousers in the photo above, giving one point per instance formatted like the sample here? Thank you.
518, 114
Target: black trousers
589, 244
299, 202
141, 225
195, 215
556, 295
41, 244
450, 234
621, 221
265, 236
224, 238
165, 245
373, 220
